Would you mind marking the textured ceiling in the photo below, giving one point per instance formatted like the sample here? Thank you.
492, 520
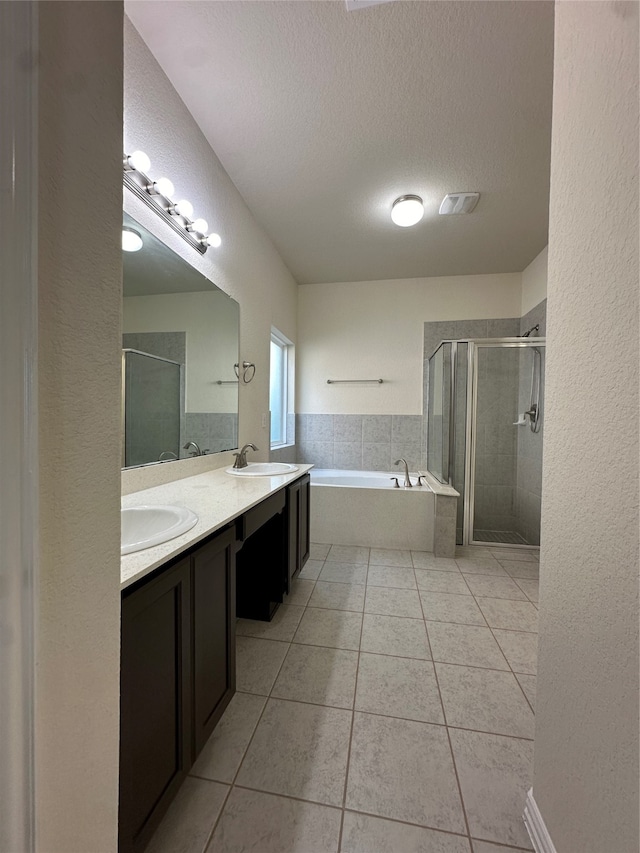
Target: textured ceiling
322, 117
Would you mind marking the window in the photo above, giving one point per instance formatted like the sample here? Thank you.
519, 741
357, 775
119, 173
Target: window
278, 387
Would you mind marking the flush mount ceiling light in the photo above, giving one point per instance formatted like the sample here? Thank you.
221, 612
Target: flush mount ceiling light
131, 240
407, 210
454, 203
156, 194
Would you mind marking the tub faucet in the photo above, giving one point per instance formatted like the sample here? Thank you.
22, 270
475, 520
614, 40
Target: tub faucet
196, 449
407, 481
241, 457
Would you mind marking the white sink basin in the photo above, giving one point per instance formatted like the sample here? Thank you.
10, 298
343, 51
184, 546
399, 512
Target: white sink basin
263, 469
144, 526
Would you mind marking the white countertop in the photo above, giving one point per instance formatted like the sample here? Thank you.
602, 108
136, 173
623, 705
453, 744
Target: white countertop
216, 497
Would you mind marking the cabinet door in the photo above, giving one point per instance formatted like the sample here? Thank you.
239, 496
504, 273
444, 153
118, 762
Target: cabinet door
214, 621
155, 702
298, 517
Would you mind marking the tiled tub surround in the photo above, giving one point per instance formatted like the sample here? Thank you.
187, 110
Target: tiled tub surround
360, 442
387, 707
215, 496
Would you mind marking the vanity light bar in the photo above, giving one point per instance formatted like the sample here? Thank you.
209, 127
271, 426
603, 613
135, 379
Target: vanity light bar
151, 193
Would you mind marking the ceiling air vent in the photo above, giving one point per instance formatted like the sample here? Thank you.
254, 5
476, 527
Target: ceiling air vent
458, 203
352, 5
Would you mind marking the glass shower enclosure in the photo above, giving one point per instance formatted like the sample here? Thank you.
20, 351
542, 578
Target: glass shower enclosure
484, 435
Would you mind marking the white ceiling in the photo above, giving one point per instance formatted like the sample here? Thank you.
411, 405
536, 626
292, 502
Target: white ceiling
322, 117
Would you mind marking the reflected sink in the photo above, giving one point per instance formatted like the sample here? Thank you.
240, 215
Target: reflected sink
263, 469
144, 526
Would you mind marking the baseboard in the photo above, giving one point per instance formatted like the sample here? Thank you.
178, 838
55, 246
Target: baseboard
536, 828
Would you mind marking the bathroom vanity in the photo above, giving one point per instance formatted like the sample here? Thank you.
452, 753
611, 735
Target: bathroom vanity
179, 606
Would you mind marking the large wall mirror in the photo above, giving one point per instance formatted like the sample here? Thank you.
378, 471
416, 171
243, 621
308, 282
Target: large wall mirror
179, 348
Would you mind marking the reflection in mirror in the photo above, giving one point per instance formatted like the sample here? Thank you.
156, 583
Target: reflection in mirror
180, 344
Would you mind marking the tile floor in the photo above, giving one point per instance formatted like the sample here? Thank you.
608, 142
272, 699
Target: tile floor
387, 708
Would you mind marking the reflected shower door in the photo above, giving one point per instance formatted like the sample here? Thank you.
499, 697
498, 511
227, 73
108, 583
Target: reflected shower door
151, 408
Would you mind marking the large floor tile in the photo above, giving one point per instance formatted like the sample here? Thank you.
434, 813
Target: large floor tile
363, 833
222, 753
453, 583
254, 822
487, 847
401, 769
338, 596
344, 573
318, 675
393, 635
427, 560
442, 607
528, 684
188, 823
299, 750
311, 570
390, 557
530, 588
318, 551
348, 554
520, 649
469, 645
495, 587
495, 775
257, 664
300, 592
337, 629
393, 602
398, 687
282, 626
484, 700
483, 567
521, 569
392, 576
511, 615
519, 554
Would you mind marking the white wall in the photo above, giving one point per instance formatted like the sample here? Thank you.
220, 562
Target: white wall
209, 321
79, 304
374, 329
246, 266
586, 742
534, 282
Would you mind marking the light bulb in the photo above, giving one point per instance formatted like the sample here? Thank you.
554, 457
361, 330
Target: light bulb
201, 226
131, 240
163, 186
407, 210
184, 208
214, 240
139, 161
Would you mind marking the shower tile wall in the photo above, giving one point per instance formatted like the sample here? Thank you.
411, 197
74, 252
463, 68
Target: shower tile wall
171, 345
529, 445
360, 442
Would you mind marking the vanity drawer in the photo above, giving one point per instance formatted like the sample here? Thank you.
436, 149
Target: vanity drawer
257, 516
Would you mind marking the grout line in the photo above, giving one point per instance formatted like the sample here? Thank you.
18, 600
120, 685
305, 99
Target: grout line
444, 717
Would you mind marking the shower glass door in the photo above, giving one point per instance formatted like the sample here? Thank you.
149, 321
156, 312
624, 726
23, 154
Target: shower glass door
504, 467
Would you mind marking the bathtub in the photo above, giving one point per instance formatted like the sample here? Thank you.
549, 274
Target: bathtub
364, 508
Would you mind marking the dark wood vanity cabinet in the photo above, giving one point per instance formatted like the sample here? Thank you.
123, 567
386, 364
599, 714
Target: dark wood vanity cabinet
177, 677
298, 507
213, 580
155, 701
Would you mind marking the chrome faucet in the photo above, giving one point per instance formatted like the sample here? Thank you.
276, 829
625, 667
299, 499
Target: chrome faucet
407, 481
241, 457
196, 449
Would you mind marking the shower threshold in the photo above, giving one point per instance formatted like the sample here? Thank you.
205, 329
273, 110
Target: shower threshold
504, 537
